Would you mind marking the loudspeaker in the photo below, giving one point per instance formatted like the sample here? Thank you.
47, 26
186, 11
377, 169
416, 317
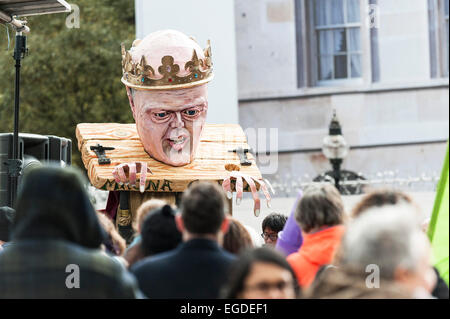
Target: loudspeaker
34, 150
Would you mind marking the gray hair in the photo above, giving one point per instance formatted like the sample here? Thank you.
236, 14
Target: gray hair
321, 205
388, 237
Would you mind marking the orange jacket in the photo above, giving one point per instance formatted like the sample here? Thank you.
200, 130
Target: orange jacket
317, 249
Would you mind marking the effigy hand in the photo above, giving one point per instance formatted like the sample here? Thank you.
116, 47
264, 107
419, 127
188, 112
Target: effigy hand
126, 174
226, 185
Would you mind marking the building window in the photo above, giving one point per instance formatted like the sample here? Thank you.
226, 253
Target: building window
337, 33
439, 43
445, 40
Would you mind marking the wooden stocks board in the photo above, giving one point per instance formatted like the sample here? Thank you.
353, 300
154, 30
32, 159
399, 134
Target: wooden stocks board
212, 163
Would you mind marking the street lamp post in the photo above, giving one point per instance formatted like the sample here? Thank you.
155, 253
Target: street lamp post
335, 148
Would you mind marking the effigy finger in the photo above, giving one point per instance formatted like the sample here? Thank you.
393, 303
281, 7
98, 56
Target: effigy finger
226, 186
116, 175
143, 177
121, 172
269, 184
132, 175
239, 186
266, 192
256, 200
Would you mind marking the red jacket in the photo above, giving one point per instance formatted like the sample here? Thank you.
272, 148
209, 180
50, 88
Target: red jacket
317, 249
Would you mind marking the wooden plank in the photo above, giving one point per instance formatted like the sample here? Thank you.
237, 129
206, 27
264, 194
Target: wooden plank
115, 131
134, 149
168, 178
210, 164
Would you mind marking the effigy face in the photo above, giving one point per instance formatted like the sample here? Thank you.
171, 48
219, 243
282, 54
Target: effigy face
166, 76
169, 123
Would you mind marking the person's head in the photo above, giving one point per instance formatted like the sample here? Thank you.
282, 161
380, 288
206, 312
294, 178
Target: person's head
159, 231
6, 220
271, 226
261, 273
388, 240
143, 210
114, 243
320, 206
166, 76
53, 204
203, 211
379, 198
237, 238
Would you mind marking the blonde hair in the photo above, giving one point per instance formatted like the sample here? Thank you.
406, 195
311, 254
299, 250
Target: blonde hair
143, 210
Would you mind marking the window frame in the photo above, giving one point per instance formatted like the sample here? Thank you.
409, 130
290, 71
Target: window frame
443, 48
314, 54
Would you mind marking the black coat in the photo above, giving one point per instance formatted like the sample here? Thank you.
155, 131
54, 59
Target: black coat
197, 269
56, 240
46, 269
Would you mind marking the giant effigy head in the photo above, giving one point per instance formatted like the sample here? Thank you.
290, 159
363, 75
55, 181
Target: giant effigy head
166, 76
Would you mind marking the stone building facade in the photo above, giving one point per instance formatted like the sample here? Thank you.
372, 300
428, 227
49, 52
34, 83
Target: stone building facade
381, 64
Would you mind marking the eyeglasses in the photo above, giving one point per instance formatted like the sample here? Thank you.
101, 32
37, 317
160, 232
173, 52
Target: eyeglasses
272, 237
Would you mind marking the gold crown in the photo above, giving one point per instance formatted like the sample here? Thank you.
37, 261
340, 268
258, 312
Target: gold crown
141, 76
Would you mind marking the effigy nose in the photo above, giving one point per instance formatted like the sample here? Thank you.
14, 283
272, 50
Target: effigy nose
177, 121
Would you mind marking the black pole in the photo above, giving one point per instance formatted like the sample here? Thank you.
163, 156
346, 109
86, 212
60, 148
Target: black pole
15, 164
124, 217
336, 163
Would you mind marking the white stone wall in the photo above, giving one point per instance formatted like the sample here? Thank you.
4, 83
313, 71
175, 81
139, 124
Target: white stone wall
368, 119
266, 49
403, 41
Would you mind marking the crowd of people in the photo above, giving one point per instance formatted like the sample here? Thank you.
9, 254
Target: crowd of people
55, 245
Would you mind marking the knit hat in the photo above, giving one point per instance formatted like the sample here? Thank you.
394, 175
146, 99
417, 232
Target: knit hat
159, 231
6, 219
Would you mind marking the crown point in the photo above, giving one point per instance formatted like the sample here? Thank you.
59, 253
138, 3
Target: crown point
136, 42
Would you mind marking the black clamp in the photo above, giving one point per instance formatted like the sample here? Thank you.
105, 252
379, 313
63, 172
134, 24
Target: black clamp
242, 153
100, 152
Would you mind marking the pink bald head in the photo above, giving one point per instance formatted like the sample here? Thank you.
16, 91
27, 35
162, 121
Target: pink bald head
169, 122
158, 44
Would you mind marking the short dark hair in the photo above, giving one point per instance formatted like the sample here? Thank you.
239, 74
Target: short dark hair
241, 268
274, 221
159, 232
321, 205
203, 208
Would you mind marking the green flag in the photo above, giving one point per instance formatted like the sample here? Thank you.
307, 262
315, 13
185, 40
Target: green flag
439, 224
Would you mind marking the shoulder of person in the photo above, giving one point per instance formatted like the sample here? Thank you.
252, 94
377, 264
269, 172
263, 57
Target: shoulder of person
154, 261
229, 256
